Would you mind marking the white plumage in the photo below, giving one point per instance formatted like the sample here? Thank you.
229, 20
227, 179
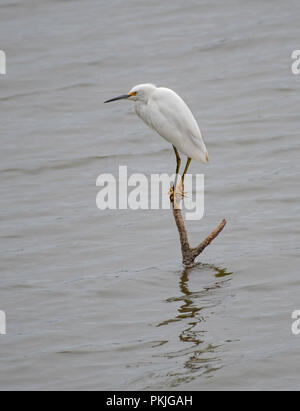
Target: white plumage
166, 113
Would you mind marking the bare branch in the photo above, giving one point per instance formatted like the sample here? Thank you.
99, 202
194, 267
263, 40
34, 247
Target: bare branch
190, 253
197, 250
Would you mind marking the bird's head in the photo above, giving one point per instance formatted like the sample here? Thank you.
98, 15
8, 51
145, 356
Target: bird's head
141, 92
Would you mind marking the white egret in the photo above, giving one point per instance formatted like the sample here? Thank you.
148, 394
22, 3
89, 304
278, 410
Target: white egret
165, 112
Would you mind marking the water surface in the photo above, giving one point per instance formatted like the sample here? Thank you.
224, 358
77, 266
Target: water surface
98, 299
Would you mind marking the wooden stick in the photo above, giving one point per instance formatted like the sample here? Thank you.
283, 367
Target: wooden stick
190, 253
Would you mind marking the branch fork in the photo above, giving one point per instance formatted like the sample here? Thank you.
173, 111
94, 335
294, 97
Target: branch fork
190, 253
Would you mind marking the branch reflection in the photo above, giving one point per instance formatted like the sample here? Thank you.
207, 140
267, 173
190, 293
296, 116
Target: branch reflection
199, 355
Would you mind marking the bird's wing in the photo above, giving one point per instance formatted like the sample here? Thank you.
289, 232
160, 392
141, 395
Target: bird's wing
172, 119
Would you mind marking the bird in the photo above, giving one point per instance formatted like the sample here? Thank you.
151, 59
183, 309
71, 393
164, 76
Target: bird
165, 111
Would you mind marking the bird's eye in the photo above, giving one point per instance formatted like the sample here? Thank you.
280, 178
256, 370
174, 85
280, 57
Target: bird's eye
133, 93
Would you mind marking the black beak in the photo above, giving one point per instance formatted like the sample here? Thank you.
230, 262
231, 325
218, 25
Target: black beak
117, 98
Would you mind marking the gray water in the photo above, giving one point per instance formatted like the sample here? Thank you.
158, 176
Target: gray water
99, 299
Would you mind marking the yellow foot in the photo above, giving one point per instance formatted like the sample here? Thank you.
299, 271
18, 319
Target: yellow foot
179, 193
180, 189
171, 194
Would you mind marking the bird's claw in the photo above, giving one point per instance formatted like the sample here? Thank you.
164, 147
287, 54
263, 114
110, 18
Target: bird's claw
179, 193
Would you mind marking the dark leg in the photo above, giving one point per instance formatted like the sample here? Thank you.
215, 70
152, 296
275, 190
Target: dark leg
186, 168
178, 160
178, 163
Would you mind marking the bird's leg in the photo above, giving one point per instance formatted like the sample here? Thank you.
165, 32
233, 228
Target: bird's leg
184, 173
186, 168
178, 163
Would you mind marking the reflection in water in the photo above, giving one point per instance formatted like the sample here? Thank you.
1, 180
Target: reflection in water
201, 356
